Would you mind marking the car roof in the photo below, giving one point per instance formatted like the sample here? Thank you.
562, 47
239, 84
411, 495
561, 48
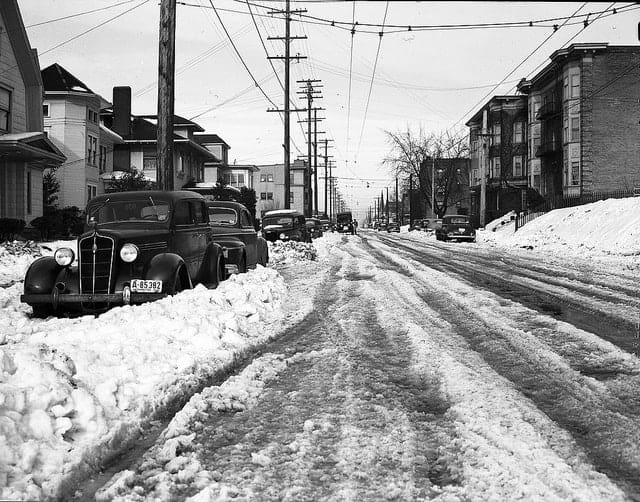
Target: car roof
145, 194
283, 212
225, 203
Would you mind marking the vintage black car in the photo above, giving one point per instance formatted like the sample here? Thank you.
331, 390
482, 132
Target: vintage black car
314, 225
285, 225
456, 227
393, 227
137, 247
344, 223
233, 229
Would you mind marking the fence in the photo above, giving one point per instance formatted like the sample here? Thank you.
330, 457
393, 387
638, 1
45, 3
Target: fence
570, 201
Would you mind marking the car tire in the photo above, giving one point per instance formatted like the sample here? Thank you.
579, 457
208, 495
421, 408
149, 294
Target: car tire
177, 285
42, 311
242, 265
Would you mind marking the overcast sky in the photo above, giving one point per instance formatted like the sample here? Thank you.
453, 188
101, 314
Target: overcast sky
429, 78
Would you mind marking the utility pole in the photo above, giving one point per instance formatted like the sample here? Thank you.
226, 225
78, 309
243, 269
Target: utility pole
326, 167
387, 205
287, 109
410, 202
483, 172
166, 75
398, 219
309, 92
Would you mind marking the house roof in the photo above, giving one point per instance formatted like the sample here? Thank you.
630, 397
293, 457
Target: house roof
33, 147
57, 78
178, 121
204, 139
506, 98
26, 57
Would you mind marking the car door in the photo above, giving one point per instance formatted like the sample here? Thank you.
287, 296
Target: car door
201, 233
184, 235
249, 237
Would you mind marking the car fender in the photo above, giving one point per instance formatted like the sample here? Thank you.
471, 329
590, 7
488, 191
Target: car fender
42, 276
164, 267
207, 275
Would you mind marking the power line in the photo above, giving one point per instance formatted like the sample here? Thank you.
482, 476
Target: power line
373, 76
77, 14
239, 56
94, 28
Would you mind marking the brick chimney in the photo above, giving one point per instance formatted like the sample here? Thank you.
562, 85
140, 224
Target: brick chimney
122, 111
122, 126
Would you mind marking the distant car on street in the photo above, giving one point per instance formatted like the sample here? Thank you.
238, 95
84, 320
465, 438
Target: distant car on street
393, 227
431, 225
285, 225
314, 226
456, 227
344, 223
233, 229
137, 247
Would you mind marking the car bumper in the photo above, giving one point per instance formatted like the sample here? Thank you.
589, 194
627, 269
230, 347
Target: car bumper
461, 237
56, 298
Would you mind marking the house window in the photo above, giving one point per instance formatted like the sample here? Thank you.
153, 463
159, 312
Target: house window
575, 129
517, 166
263, 195
517, 132
92, 116
263, 178
290, 196
103, 159
45, 109
565, 88
92, 149
149, 164
575, 86
496, 132
269, 177
269, 195
575, 173
92, 191
5, 110
495, 167
29, 200
565, 130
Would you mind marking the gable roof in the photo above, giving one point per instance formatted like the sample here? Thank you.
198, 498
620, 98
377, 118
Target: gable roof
178, 121
214, 139
26, 57
56, 78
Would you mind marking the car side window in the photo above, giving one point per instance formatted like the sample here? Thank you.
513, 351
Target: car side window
245, 221
198, 212
182, 214
301, 221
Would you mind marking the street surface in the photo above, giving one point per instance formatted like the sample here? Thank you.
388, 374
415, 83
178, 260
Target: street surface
424, 371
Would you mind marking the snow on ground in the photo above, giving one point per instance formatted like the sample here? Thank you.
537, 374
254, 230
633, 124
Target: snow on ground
75, 391
608, 227
284, 252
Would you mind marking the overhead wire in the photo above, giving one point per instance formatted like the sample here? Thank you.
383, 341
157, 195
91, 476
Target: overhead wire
353, 17
373, 76
78, 14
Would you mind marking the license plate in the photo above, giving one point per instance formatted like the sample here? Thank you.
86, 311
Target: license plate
461, 230
142, 286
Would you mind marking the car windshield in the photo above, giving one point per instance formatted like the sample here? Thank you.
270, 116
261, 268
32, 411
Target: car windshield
128, 211
277, 220
460, 220
222, 216
344, 218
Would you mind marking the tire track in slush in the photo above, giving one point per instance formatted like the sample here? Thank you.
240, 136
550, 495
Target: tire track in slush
606, 426
351, 421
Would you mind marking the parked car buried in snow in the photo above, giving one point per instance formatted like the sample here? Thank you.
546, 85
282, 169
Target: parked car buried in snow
285, 225
456, 227
314, 226
233, 229
137, 247
393, 227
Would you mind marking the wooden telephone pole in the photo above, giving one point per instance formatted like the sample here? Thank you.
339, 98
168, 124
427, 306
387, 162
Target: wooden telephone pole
287, 109
166, 76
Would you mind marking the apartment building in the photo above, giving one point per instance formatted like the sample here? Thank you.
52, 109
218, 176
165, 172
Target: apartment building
269, 186
573, 129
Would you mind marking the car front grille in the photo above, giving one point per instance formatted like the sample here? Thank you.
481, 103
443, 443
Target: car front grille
95, 262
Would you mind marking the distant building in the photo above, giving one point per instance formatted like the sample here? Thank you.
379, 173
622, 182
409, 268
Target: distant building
25, 149
571, 132
72, 121
269, 186
214, 168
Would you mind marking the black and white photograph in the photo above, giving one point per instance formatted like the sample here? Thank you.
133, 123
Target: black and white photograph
319, 250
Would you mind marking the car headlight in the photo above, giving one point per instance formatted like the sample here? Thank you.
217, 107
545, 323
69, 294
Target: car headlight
283, 236
129, 253
64, 256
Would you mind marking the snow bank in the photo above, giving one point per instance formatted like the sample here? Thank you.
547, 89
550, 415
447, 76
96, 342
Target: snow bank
608, 227
284, 252
73, 391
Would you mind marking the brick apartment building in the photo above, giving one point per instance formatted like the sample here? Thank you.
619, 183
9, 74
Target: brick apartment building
581, 130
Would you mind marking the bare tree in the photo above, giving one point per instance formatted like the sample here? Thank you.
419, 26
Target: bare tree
437, 162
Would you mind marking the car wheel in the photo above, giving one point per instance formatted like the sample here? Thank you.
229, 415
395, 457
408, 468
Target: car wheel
264, 257
42, 311
242, 265
177, 285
